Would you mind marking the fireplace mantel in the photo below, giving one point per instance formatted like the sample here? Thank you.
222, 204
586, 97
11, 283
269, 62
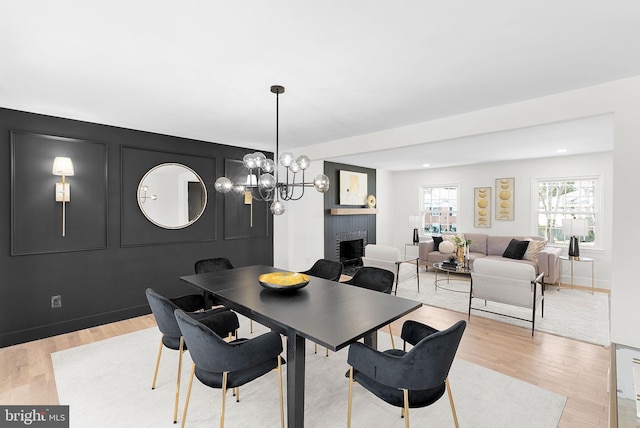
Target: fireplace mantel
353, 211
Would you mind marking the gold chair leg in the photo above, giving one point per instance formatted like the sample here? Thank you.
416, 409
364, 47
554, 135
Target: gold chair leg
315, 348
224, 397
237, 393
186, 403
280, 385
175, 406
406, 408
393, 345
350, 397
453, 407
155, 374
326, 352
250, 326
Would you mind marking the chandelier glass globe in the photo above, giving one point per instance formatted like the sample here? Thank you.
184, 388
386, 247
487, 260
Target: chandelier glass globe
277, 208
259, 159
294, 167
303, 162
286, 159
269, 165
223, 185
266, 182
249, 160
321, 183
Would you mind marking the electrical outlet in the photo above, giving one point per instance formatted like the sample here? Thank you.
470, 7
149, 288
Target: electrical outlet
56, 301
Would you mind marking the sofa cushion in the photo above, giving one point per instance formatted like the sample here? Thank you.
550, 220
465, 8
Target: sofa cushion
516, 249
478, 242
437, 240
533, 249
447, 247
497, 244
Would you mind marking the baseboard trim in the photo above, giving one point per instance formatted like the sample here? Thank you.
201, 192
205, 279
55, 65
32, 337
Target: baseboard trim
54, 329
584, 288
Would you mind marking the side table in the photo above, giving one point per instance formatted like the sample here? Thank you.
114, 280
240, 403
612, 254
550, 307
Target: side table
410, 250
581, 260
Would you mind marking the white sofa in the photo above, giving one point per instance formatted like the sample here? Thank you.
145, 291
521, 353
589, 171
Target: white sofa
506, 282
389, 258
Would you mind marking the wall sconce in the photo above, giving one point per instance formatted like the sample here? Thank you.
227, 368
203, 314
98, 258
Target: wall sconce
64, 167
144, 197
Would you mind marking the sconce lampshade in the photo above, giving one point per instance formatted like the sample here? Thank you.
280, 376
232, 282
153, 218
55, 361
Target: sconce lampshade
62, 166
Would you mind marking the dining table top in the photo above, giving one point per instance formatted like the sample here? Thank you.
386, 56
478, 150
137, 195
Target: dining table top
329, 313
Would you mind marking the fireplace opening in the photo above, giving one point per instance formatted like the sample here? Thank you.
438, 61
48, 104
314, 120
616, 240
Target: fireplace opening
350, 253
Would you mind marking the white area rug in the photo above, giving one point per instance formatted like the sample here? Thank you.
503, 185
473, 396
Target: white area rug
570, 313
108, 384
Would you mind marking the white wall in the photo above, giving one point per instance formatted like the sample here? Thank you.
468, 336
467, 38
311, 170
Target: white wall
524, 172
299, 233
622, 98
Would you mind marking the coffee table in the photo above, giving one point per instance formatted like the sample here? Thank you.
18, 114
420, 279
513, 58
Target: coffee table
459, 270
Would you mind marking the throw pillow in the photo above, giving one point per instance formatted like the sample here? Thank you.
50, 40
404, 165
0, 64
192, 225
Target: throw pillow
447, 247
516, 249
437, 240
534, 247
452, 238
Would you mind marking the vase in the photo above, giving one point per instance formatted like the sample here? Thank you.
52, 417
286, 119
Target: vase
460, 255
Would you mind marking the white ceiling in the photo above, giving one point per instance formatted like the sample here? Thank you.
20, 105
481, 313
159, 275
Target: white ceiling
202, 68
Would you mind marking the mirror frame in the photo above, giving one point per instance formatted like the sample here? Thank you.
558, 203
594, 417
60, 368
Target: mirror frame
163, 226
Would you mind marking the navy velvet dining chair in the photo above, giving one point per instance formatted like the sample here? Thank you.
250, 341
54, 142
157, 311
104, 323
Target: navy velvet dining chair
223, 365
408, 379
327, 269
375, 279
163, 308
214, 265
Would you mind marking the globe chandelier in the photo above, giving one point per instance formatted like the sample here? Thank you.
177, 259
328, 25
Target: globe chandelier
262, 179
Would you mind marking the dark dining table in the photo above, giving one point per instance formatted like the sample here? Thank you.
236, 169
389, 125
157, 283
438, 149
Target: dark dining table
329, 313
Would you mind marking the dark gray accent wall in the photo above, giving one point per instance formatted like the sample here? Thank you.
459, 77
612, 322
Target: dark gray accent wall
338, 225
107, 283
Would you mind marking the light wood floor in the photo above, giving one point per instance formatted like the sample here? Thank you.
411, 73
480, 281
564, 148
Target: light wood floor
575, 369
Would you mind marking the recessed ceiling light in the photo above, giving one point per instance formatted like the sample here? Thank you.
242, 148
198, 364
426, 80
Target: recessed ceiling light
561, 151
426, 165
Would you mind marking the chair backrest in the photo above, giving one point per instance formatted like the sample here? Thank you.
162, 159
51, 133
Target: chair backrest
427, 364
504, 282
213, 265
211, 353
373, 278
162, 309
382, 252
327, 269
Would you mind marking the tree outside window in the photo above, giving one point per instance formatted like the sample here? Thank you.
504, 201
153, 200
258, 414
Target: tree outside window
567, 199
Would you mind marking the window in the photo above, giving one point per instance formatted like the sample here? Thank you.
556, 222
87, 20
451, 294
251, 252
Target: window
566, 199
440, 208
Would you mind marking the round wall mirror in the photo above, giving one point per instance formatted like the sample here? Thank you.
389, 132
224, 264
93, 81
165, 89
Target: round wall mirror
172, 196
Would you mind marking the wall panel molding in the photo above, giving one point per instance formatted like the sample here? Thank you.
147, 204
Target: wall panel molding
136, 228
36, 217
